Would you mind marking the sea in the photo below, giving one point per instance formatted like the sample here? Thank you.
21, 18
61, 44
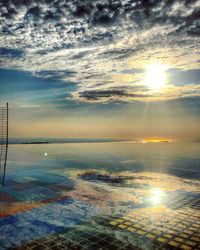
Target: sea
179, 159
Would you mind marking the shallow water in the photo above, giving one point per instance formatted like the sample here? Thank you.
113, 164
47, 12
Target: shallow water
101, 196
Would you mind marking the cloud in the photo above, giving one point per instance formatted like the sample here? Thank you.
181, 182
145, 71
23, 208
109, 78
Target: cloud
96, 44
137, 93
109, 94
55, 74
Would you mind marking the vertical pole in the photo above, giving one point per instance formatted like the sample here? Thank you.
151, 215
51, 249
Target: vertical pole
1, 121
6, 153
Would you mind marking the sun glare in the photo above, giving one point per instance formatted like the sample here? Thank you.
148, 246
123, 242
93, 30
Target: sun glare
155, 76
156, 196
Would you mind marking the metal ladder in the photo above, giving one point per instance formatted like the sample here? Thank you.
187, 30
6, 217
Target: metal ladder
3, 141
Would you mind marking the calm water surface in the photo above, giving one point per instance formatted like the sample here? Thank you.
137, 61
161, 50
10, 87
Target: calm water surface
101, 196
177, 159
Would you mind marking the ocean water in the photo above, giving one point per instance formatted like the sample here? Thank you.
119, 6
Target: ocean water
101, 196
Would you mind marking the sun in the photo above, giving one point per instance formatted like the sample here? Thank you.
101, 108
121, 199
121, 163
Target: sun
155, 77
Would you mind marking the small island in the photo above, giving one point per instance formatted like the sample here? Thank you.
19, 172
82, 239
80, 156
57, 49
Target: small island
36, 142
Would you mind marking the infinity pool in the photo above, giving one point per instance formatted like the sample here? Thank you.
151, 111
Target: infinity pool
101, 196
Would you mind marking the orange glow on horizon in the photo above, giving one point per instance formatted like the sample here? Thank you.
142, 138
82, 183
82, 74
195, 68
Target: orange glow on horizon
156, 140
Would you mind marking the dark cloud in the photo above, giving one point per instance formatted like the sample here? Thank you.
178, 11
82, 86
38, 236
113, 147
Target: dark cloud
97, 94
77, 18
100, 12
109, 94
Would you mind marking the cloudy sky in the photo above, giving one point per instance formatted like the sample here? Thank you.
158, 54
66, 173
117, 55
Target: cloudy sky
101, 68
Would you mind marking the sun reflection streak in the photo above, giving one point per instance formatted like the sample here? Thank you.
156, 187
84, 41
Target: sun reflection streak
156, 196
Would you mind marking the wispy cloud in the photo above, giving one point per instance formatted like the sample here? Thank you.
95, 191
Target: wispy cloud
91, 43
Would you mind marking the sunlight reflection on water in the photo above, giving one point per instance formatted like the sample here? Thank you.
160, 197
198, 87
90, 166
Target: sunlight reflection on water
131, 189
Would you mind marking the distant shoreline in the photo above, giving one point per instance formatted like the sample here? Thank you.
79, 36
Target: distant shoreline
41, 141
44, 141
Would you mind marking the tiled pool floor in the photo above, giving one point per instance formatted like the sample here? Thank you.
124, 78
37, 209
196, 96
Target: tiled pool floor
94, 209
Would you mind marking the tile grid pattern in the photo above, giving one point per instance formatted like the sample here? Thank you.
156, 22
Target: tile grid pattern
180, 229
76, 240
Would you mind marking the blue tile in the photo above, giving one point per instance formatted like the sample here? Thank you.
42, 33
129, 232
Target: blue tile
47, 219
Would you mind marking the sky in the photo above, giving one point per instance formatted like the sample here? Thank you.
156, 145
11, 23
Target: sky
121, 69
